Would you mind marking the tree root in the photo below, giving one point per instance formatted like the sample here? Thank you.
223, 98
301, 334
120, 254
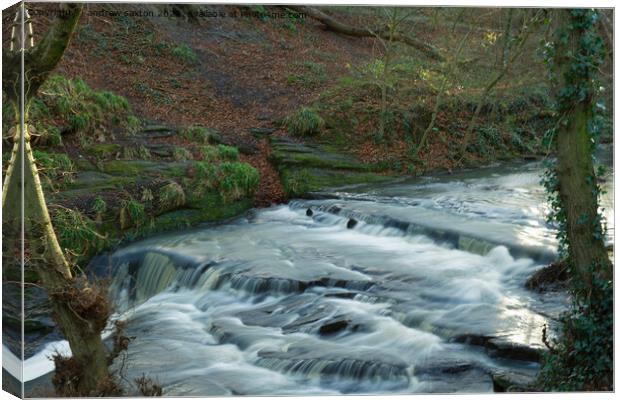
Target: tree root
68, 379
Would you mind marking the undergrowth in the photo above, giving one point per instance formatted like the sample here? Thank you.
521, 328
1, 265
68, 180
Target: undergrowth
234, 180
56, 169
70, 106
305, 122
77, 234
199, 134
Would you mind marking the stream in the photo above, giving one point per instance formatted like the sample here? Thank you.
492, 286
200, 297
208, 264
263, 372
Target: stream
407, 287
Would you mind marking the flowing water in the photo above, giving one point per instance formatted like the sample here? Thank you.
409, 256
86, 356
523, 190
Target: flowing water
412, 286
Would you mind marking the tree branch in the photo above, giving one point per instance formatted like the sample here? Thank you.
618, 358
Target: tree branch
43, 58
337, 26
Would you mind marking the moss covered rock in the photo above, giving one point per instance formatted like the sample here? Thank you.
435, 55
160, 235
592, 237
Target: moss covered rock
307, 167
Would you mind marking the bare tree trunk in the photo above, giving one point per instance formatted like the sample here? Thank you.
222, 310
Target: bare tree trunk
507, 37
387, 59
449, 70
525, 33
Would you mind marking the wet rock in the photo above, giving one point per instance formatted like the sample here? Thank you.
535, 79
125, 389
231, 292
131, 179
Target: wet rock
308, 167
351, 223
553, 277
499, 347
457, 368
157, 131
288, 153
510, 381
334, 209
335, 362
448, 366
214, 137
262, 132
309, 212
247, 148
103, 150
472, 339
264, 318
161, 150
453, 375
342, 295
83, 164
155, 128
334, 327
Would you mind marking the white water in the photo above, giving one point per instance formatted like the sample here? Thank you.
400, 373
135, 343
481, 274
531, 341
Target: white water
285, 303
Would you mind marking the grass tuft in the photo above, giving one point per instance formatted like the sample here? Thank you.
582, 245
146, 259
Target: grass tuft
184, 53
306, 122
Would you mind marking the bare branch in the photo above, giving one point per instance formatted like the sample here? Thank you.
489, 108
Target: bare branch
383, 32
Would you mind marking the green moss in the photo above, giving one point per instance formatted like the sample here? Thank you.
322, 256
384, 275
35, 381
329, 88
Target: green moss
213, 206
176, 170
206, 175
108, 101
299, 182
312, 160
83, 164
208, 206
127, 167
136, 153
103, 150
86, 182
213, 209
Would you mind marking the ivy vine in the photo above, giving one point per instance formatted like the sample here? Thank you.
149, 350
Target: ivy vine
582, 359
